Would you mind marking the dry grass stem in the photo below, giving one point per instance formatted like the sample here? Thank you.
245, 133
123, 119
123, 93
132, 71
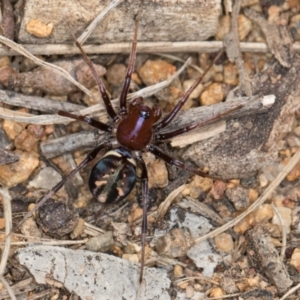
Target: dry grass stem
142, 47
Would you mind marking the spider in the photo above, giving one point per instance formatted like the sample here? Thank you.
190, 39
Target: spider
134, 129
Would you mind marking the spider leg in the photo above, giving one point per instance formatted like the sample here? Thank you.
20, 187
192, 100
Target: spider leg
173, 133
168, 118
90, 121
144, 179
177, 163
131, 64
101, 87
89, 158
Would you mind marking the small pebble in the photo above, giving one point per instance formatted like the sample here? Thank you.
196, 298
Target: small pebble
294, 174
115, 74
224, 242
155, 71
196, 92
178, 272
100, 243
218, 189
175, 243
216, 292
131, 257
239, 196
13, 174
244, 224
135, 214
189, 292
12, 128
212, 94
38, 28
244, 27
295, 259
79, 229
157, 174
29, 228
46, 179
263, 181
231, 74
2, 223
286, 215
264, 213
253, 195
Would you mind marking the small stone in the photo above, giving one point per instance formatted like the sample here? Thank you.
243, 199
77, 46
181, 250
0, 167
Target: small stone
297, 129
56, 218
4, 61
286, 215
12, 128
223, 27
295, 259
30, 229
136, 213
155, 71
38, 28
231, 74
2, 223
264, 213
189, 292
244, 27
253, 195
244, 224
212, 94
224, 242
239, 196
13, 174
218, 189
131, 257
216, 292
79, 229
115, 74
196, 92
157, 174
204, 184
47, 178
100, 243
295, 173
178, 271
263, 181
175, 243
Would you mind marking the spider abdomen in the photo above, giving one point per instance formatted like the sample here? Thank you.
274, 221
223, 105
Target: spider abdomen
113, 177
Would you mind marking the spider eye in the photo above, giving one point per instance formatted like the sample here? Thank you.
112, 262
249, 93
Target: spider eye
144, 114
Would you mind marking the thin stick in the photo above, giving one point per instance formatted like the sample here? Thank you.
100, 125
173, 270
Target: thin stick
142, 47
267, 193
8, 226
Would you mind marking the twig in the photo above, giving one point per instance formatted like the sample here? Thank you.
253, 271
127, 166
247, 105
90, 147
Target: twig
142, 47
38, 103
283, 229
8, 288
56, 69
83, 37
267, 193
8, 226
232, 45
